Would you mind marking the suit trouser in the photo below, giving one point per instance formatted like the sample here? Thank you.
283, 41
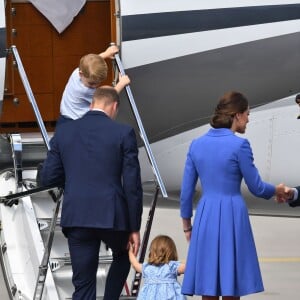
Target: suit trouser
84, 246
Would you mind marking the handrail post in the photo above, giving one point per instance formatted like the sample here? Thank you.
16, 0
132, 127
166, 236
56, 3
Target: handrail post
136, 282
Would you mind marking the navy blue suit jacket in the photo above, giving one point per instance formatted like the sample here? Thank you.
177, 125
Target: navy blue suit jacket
96, 159
297, 201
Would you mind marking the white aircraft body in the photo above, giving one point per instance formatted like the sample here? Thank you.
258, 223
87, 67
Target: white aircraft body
181, 56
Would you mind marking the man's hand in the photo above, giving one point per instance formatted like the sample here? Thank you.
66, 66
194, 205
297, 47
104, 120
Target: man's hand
134, 242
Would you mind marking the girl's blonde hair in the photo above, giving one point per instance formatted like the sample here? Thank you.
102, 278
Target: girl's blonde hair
93, 67
162, 250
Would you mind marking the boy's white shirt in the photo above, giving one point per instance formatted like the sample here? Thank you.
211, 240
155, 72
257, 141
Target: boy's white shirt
76, 98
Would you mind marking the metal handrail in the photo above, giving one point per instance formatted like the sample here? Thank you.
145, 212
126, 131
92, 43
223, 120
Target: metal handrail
142, 130
136, 282
30, 96
158, 184
11, 199
43, 268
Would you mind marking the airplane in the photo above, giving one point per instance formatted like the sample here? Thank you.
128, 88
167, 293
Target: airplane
181, 56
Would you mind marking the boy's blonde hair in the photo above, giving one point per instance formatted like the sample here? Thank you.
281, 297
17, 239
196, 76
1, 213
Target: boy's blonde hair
93, 67
162, 250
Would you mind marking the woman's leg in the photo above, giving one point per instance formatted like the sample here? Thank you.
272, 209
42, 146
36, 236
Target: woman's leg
230, 298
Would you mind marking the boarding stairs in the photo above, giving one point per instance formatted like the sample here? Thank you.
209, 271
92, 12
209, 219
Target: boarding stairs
52, 268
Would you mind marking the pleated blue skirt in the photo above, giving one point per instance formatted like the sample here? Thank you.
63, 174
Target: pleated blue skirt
222, 258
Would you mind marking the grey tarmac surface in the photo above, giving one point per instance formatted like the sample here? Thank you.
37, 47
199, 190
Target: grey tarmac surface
278, 246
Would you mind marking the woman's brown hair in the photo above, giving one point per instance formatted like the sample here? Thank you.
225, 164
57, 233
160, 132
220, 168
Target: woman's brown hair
229, 105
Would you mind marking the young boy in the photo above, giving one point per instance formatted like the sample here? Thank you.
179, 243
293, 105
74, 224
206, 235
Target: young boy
78, 93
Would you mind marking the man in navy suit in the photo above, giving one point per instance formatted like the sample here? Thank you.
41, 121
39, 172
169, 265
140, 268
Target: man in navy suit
96, 160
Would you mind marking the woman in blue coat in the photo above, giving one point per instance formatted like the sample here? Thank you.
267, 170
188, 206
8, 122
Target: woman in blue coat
222, 258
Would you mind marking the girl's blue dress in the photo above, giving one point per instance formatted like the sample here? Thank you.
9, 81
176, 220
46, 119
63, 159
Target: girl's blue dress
160, 282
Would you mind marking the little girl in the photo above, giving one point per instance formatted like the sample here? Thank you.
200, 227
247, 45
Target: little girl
160, 272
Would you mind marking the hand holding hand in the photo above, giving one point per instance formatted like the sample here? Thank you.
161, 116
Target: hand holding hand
134, 243
283, 193
130, 248
289, 192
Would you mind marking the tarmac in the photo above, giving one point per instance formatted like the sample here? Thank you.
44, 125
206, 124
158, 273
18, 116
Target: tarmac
277, 242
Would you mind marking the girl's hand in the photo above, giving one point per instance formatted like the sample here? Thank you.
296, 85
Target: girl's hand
130, 248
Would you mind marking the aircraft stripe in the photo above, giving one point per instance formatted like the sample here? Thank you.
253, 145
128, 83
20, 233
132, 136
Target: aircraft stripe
144, 26
2, 42
137, 7
175, 46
